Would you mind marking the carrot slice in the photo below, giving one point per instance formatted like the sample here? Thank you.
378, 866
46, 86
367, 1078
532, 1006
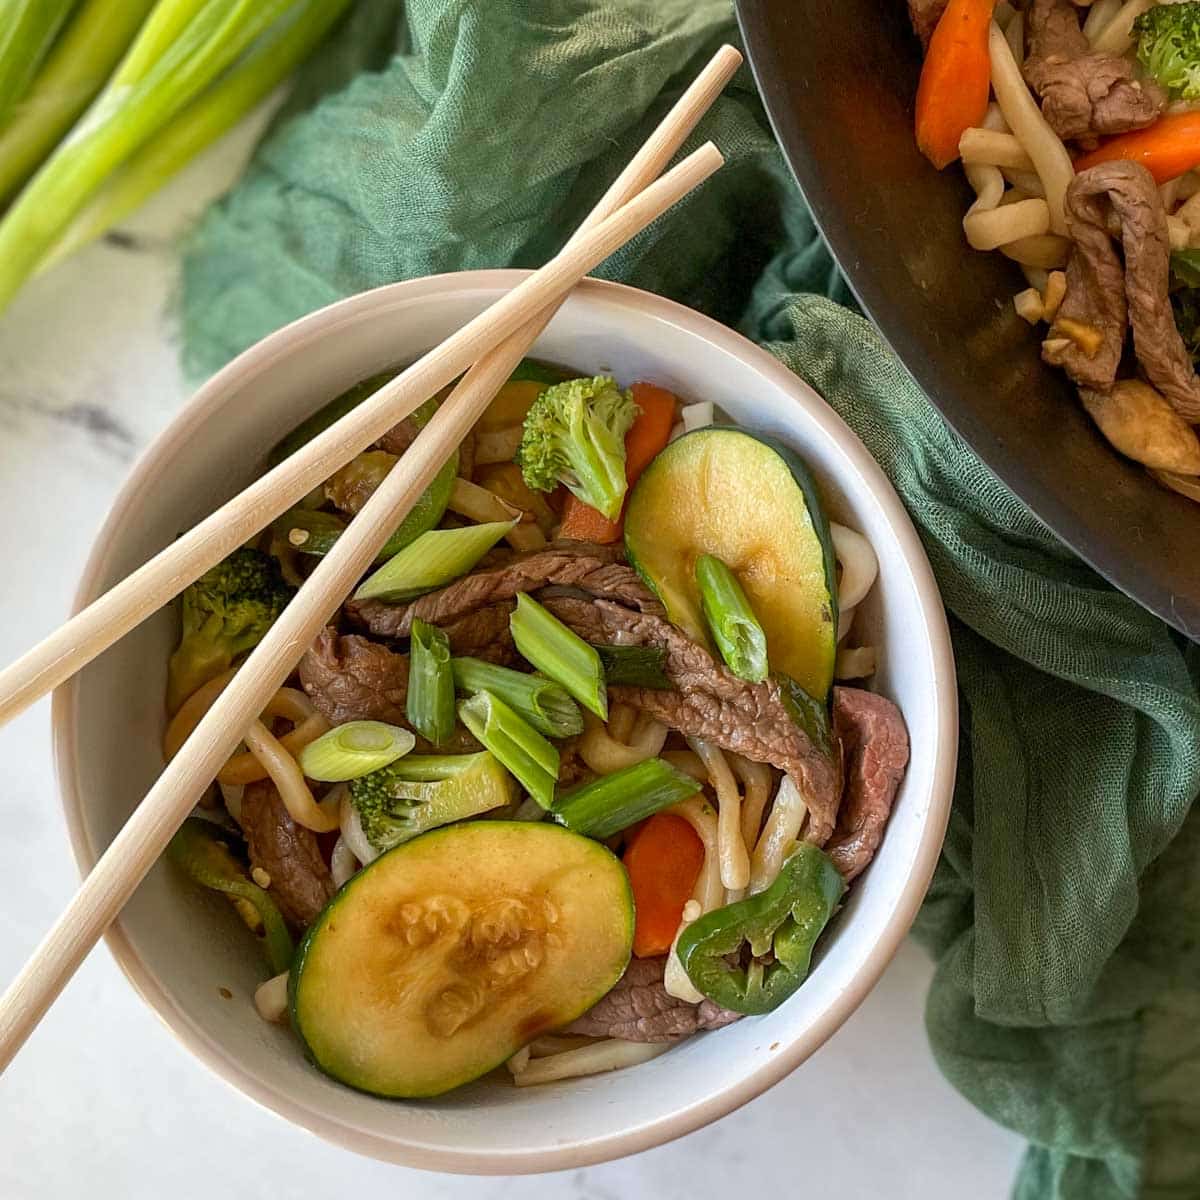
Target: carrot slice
663, 862
582, 523
649, 432
955, 79
1167, 149
646, 437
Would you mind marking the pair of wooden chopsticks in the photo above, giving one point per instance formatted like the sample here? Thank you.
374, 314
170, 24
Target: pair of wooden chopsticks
494, 342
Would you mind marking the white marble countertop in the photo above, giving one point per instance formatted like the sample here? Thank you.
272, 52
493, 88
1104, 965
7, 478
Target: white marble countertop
102, 1098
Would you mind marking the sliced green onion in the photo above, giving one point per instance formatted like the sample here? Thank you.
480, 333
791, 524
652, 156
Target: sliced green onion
636, 666
430, 704
532, 759
614, 802
544, 704
167, 73
434, 559
734, 627
198, 850
560, 654
77, 67
354, 749
27, 31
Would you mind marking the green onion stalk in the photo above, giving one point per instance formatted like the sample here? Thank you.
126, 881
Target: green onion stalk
544, 704
430, 703
265, 65
731, 620
164, 25
27, 31
77, 67
158, 78
519, 747
614, 802
560, 654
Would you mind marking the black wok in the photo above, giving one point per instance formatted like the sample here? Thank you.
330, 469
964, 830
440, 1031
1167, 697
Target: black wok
838, 78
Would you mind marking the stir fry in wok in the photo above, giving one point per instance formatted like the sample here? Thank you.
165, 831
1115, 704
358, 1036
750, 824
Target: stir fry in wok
1078, 127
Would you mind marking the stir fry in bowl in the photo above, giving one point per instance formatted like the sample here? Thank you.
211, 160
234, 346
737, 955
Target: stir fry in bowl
575, 774
1078, 126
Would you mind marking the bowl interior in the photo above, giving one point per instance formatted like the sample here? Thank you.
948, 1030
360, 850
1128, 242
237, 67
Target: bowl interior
839, 79
179, 946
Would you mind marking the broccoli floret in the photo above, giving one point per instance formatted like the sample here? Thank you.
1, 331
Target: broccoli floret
225, 613
386, 818
575, 435
418, 793
1169, 47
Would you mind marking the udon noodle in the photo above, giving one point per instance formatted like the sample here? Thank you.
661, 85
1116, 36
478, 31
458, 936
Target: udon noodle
732, 858
1043, 146
629, 738
267, 756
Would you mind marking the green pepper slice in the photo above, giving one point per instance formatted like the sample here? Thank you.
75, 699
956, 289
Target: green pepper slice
811, 715
786, 920
197, 849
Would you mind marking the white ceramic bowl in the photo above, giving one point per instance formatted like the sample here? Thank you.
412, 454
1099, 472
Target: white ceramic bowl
179, 945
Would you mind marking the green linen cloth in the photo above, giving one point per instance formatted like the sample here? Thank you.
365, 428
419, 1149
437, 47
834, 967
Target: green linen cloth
1065, 914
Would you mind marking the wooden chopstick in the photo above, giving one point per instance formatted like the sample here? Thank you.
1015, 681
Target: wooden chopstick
473, 392
108, 618
138, 845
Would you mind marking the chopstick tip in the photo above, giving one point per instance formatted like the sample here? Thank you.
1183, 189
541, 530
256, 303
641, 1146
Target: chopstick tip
710, 154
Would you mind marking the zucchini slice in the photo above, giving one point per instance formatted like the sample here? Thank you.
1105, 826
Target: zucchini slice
753, 503
446, 955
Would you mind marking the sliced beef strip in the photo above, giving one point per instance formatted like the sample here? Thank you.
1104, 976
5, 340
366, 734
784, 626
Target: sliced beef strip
400, 436
300, 880
639, 1009
1094, 281
599, 570
874, 745
712, 703
484, 634
572, 770
351, 678
925, 14
1095, 296
349, 489
1085, 94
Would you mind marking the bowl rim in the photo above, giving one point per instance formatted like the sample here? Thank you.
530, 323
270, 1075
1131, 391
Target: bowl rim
317, 326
